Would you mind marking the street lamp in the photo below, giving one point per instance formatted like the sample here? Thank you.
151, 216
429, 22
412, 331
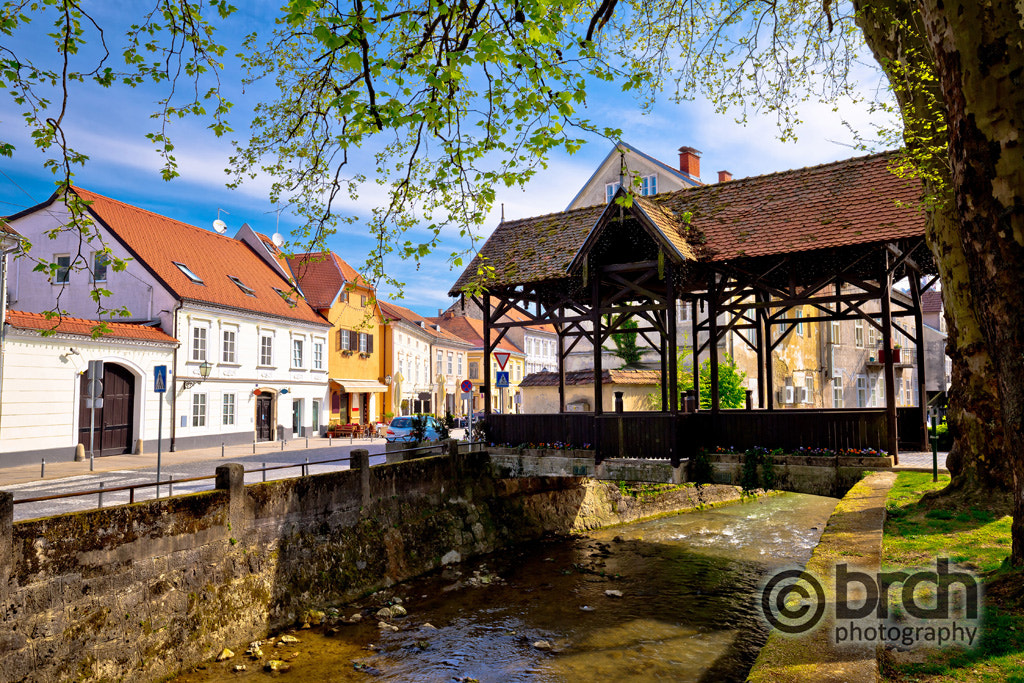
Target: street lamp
204, 372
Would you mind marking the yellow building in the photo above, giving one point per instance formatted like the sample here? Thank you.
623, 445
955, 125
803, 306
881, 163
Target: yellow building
355, 364
471, 330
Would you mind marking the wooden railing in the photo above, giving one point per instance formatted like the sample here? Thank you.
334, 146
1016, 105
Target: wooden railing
663, 436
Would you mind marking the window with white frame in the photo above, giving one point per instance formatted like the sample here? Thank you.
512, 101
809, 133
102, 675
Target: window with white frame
198, 343
228, 347
344, 342
318, 356
474, 370
460, 365
439, 362
837, 391
198, 410
609, 191
63, 274
228, 410
862, 391
266, 350
683, 311
874, 337
808, 389
99, 266
858, 333
296, 353
649, 185
899, 390
836, 336
799, 325
364, 344
879, 386
751, 332
451, 362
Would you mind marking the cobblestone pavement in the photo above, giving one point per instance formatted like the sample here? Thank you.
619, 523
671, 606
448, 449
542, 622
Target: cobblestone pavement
918, 459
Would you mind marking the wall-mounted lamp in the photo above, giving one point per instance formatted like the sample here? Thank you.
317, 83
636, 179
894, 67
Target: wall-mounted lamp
204, 372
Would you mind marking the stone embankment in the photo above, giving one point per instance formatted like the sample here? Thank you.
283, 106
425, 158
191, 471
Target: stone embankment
139, 592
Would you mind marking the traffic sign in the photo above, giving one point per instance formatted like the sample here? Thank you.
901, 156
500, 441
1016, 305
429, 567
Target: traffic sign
502, 358
160, 379
95, 388
502, 382
466, 385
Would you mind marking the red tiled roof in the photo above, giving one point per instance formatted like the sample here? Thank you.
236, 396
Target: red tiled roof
157, 242
322, 276
578, 377
472, 330
931, 301
80, 326
395, 312
856, 201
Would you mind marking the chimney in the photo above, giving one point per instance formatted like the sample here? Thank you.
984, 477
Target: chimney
689, 162
439, 313
724, 176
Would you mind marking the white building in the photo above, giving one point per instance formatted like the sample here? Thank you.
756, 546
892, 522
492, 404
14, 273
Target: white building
252, 359
644, 174
44, 412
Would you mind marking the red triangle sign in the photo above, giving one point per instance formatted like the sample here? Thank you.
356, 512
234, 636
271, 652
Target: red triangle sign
502, 358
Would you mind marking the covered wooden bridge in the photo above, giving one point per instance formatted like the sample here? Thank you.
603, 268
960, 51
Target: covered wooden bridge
832, 239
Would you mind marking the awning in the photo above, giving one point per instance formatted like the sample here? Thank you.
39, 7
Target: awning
357, 386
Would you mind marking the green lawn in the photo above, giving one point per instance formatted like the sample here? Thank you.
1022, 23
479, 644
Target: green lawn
974, 537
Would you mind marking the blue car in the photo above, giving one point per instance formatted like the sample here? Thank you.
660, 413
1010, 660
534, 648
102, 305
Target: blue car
400, 429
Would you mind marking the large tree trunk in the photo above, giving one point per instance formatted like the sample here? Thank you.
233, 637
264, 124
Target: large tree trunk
894, 31
979, 56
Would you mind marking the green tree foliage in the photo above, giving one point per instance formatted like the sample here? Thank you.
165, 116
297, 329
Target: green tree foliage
731, 392
626, 348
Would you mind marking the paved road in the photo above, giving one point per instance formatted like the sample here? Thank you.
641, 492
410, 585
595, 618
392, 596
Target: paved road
67, 477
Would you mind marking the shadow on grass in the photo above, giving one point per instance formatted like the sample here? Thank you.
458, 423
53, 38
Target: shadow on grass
975, 535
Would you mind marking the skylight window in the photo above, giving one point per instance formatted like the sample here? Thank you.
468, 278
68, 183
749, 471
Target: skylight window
188, 273
242, 286
286, 297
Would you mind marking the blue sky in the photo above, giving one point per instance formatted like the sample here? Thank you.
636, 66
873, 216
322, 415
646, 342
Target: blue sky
109, 125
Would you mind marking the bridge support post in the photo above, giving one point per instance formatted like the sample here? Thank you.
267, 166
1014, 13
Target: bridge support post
231, 478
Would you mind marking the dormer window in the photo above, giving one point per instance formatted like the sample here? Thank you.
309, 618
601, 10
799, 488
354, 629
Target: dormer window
249, 291
188, 273
289, 299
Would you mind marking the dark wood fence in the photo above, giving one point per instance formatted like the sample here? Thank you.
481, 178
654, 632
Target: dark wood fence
662, 436
911, 429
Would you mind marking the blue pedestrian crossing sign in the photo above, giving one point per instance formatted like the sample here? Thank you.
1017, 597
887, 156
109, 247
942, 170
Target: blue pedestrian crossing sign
160, 379
502, 382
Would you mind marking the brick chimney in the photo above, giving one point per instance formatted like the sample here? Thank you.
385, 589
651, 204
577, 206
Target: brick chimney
724, 176
689, 162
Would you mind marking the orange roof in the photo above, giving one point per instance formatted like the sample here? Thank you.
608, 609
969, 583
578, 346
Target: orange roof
322, 276
395, 312
158, 242
472, 330
80, 326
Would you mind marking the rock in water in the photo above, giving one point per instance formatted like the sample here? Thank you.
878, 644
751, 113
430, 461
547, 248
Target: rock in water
276, 665
542, 645
398, 611
289, 640
225, 654
611, 593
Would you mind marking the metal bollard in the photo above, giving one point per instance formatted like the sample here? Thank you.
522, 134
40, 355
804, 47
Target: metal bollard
305, 468
170, 487
92, 458
307, 442
282, 444
264, 473
254, 446
131, 495
42, 470
328, 440
222, 449
101, 494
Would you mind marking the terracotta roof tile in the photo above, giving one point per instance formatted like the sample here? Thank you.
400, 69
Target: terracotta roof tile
855, 201
931, 301
471, 330
582, 377
395, 312
158, 242
322, 276
80, 326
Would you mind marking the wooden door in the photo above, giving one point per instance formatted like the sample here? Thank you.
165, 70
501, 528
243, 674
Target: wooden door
264, 428
115, 421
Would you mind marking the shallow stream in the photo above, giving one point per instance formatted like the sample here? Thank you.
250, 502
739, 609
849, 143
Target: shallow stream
687, 610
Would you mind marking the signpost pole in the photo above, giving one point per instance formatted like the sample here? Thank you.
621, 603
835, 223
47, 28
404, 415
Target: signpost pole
95, 377
160, 387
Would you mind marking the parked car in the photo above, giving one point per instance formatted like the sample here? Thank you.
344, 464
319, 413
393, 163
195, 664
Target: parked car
400, 429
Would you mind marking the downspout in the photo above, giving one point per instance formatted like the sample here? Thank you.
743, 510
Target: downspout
174, 368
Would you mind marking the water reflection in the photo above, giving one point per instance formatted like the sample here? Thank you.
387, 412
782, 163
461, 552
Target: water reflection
686, 610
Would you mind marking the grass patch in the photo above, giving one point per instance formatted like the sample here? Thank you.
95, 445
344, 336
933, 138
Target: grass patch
974, 537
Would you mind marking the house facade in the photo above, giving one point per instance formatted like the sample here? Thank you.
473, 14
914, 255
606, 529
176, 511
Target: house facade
355, 358
643, 174
470, 331
251, 363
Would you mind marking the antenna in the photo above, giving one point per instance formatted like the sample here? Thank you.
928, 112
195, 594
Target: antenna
219, 225
277, 238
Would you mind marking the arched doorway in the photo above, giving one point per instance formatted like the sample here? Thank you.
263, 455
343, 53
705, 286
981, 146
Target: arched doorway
115, 420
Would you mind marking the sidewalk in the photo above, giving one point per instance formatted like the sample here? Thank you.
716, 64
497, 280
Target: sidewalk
21, 474
915, 461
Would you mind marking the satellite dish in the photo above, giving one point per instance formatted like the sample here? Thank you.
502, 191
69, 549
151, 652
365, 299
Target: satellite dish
220, 226
277, 239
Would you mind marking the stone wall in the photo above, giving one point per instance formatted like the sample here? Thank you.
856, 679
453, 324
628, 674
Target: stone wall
139, 592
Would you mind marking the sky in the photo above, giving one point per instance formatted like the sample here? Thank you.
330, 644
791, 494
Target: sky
110, 126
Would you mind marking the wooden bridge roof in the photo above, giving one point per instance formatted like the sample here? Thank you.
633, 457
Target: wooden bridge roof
841, 204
